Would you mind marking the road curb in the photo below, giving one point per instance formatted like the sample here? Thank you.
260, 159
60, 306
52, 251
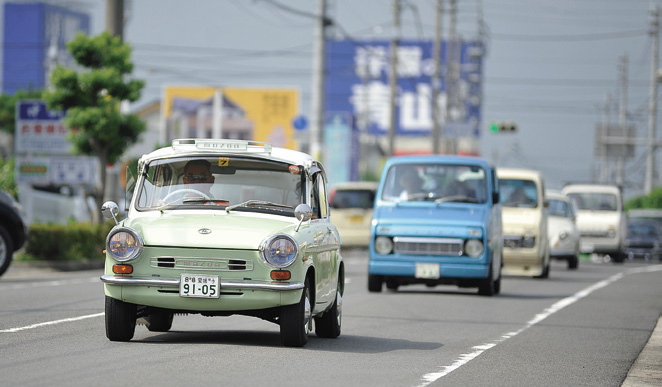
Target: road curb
647, 369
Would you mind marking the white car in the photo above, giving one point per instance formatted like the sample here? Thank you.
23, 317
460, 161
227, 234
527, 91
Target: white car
562, 231
352, 204
601, 218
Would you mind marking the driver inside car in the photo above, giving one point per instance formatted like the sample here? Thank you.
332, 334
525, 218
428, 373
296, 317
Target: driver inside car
197, 176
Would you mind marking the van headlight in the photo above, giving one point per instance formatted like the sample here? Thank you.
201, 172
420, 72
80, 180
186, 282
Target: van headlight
124, 244
473, 248
383, 245
279, 250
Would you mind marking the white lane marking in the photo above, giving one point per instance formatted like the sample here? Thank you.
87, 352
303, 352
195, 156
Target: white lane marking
64, 320
557, 306
28, 285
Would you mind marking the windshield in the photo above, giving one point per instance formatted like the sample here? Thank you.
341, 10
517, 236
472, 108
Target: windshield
519, 193
209, 182
435, 182
595, 201
559, 208
643, 229
352, 198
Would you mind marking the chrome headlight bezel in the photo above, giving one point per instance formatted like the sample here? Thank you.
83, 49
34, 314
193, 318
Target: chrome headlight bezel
384, 245
136, 247
267, 252
474, 248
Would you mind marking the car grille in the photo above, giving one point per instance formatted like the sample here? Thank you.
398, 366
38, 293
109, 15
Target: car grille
215, 264
594, 234
513, 242
428, 246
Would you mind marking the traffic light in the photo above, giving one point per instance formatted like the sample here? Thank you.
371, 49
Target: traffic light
503, 127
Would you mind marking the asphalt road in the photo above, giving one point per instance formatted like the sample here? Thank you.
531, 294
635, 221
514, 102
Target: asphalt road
577, 328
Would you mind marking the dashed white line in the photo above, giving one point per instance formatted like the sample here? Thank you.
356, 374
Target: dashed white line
54, 322
557, 306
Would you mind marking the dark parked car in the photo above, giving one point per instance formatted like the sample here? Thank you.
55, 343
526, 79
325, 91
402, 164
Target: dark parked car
644, 239
13, 229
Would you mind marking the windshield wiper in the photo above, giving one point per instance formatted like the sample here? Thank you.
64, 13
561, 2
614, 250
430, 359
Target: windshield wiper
203, 200
457, 198
255, 203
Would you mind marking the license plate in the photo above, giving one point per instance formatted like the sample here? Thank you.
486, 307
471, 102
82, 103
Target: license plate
427, 270
199, 285
356, 219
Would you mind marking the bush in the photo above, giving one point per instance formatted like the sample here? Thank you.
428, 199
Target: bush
654, 200
71, 242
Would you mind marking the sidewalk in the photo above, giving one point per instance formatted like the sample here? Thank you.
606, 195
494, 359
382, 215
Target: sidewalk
647, 369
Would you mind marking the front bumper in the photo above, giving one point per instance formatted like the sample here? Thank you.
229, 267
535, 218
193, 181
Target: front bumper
175, 282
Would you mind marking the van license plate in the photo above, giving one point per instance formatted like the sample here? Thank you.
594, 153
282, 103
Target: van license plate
199, 285
427, 270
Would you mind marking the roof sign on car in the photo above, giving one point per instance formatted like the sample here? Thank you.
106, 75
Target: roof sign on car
223, 145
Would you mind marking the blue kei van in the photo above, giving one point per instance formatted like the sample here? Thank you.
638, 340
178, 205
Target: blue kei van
437, 220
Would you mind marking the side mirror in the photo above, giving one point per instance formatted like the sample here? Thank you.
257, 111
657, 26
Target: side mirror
304, 213
110, 210
495, 197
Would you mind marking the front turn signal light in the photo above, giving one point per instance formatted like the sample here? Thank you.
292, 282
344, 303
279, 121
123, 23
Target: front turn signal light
122, 269
280, 275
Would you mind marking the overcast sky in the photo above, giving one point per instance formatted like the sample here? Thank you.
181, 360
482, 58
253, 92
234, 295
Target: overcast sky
549, 65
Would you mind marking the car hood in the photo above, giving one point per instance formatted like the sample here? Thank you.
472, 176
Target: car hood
236, 230
416, 217
597, 220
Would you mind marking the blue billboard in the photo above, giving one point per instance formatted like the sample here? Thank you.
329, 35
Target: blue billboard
357, 82
35, 37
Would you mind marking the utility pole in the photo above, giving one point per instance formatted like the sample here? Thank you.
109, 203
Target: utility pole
393, 77
115, 18
622, 111
436, 78
604, 160
452, 73
652, 102
319, 69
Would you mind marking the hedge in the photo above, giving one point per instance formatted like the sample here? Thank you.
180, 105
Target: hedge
71, 242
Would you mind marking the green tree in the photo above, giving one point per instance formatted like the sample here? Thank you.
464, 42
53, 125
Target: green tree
92, 96
654, 200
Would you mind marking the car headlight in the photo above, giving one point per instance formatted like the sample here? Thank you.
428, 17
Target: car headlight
123, 244
563, 235
473, 248
529, 241
279, 250
383, 245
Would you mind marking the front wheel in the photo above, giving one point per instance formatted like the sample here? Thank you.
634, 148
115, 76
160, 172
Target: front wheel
328, 325
295, 320
159, 320
120, 320
573, 262
486, 286
6, 250
375, 283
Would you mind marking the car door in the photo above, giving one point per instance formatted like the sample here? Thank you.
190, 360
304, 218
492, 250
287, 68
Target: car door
326, 244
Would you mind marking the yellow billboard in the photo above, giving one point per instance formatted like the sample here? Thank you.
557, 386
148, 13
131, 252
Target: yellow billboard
260, 114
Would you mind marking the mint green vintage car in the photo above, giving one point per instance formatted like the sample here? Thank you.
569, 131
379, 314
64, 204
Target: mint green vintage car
223, 227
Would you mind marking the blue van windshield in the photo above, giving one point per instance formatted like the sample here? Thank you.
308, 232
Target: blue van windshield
435, 182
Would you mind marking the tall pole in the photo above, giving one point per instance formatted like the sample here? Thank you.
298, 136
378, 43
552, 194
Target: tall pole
652, 102
452, 73
436, 79
319, 69
622, 111
115, 18
604, 170
393, 77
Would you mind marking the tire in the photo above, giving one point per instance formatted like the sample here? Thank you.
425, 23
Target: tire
6, 250
497, 283
486, 286
120, 320
159, 320
392, 285
619, 257
375, 283
295, 320
328, 325
573, 262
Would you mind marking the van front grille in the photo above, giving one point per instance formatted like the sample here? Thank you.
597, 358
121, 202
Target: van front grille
428, 246
215, 264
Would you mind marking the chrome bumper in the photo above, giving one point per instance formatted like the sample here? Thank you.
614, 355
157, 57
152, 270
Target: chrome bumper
174, 283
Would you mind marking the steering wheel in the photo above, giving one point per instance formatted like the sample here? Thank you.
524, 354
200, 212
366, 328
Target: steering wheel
184, 191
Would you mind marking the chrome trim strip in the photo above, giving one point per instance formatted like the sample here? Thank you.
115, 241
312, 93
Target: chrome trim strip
174, 283
212, 264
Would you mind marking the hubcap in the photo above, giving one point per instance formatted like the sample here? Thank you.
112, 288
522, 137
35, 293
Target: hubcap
307, 320
339, 307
